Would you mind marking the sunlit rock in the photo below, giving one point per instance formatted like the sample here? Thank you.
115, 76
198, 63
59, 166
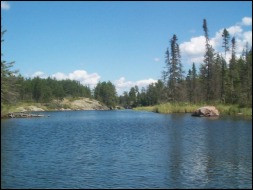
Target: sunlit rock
207, 111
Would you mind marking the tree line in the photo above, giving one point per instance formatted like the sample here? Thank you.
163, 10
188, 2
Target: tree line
45, 90
214, 81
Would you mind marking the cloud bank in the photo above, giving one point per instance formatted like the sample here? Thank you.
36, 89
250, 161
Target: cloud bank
91, 79
82, 76
79, 75
123, 85
194, 49
247, 21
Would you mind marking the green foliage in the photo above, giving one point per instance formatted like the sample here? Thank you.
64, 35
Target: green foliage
216, 82
190, 108
171, 108
106, 93
225, 43
173, 74
45, 90
227, 85
152, 95
8, 82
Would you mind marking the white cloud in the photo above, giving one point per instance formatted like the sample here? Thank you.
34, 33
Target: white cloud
59, 76
5, 5
247, 37
234, 30
145, 82
195, 46
39, 74
79, 75
123, 85
194, 49
156, 59
241, 39
247, 21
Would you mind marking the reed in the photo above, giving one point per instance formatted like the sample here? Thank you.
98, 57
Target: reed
145, 108
224, 109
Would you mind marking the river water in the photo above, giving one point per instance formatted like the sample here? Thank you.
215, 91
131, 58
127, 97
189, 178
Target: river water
125, 149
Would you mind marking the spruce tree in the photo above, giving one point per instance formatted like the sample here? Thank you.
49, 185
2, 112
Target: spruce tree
225, 42
233, 74
174, 73
208, 64
8, 80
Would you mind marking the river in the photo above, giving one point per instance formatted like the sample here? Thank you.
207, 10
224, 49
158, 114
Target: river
125, 149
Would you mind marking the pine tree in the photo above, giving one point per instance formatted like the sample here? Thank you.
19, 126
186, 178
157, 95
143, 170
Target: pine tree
208, 60
8, 79
233, 74
192, 84
216, 77
106, 93
225, 42
174, 73
223, 79
189, 86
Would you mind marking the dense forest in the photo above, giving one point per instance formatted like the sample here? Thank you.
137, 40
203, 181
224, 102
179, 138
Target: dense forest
214, 81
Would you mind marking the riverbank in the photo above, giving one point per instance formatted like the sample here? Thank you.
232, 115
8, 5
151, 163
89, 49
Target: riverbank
190, 108
66, 104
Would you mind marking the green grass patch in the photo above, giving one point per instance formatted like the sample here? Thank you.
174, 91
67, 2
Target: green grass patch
233, 110
224, 109
145, 108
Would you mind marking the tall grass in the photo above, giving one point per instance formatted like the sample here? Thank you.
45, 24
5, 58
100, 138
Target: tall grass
145, 108
190, 108
176, 108
170, 108
233, 110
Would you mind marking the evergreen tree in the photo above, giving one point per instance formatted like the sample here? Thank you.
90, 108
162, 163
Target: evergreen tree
106, 93
208, 60
191, 84
133, 93
244, 88
8, 79
174, 73
248, 83
225, 42
216, 78
233, 75
223, 79
194, 83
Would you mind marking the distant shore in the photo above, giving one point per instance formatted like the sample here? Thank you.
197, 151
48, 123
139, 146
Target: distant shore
67, 104
166, 108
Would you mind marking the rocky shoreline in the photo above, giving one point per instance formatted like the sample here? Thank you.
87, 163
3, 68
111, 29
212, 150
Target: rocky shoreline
67, 105
61, 105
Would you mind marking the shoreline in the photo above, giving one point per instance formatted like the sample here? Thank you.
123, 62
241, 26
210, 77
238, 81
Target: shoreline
167, 108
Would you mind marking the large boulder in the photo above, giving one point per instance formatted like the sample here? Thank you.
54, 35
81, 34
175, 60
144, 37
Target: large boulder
206, 111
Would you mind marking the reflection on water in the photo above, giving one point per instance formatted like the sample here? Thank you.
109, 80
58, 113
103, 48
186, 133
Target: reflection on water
126, 149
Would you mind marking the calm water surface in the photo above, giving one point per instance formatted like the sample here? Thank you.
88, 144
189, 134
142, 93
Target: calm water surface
125, 149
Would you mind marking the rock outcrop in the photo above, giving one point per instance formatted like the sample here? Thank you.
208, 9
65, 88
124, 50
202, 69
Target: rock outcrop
65, 105
87, 104
206, 111
28, 109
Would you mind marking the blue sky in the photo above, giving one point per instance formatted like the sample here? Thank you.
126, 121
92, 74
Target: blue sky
124, 42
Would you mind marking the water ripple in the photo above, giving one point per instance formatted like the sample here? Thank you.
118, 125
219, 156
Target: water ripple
125, 149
